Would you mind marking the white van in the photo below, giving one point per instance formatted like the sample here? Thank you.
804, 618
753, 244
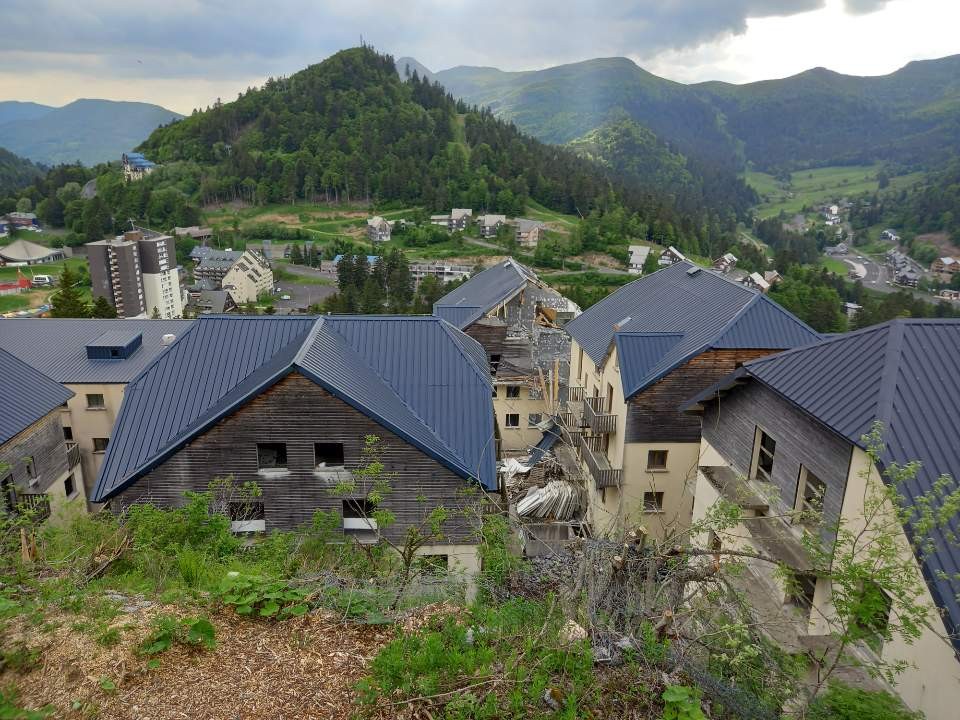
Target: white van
41, 281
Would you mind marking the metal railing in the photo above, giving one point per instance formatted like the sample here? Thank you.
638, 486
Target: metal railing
575, 393
595, 458
597, 415
73, 454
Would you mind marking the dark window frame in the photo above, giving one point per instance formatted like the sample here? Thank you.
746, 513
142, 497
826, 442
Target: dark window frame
656, 496
657, 466
508, 424
281, 461
329, 447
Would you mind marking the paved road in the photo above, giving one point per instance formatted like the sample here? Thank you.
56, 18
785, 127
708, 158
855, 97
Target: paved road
876, 276
302, 295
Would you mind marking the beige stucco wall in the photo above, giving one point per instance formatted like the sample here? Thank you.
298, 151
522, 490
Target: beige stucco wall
521, 439
61, 505
245, 289
88, 424
154, 285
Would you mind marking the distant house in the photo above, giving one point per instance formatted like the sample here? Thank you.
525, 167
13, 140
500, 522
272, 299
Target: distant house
490, 224
292, 412
851, 309
834, 210
528, 233
670, 256
202, 235
24, 252
945, 267
39, 467
638, 257
725, 263
907, 278
444, 272
460, 218
22, 220
246, 275
206, 302
442, 220
756, 281
949, 294
378, 229
838, 249
772, 277
136, 166
890, 234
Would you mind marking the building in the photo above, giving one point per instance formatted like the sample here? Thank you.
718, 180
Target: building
891, 235
907, 278
22, 220
39, 465
137, 273
201, 235
638, 258
490, 225
783, 424
291, 412
529, 233
772, 277
136, 166
838, 249
949, 294
670, 256
756, 281
636, 355
246, 274
206, 302
518, 320
945, 267
378, 229
458, 219
725, 263
444, 272
851, 310
94, 360
24, 252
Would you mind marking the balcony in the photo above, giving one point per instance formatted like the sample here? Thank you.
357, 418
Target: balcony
73, 454
575, 393
597, 415
597, 463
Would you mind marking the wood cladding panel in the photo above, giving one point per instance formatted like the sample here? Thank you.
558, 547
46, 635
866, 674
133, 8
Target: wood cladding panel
653, 415
299, 413
43, 443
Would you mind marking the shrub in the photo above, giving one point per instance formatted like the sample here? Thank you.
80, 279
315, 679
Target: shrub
254, 595
9, 710
841, 702
681, 703
168, 630
193, 525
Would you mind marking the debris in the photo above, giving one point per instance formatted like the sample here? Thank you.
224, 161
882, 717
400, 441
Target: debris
572, 632
553, 697
558, 499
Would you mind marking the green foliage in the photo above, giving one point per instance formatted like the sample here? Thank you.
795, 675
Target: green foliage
193, 525
67, 301
496, 559
15, 172
102, 308
169, 630
21, 658
10, 710
254, 595
681, 703
841, 702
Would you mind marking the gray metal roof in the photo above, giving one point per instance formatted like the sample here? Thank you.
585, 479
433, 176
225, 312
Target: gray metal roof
904, 374
483, 292
418, 376
676, 313
57, 347
27, 395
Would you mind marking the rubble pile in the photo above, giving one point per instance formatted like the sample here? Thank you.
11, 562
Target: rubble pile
558, 500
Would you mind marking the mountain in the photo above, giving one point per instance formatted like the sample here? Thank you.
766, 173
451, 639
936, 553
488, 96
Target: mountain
91, 131
16, 172
405, 63
812, 119
12, 110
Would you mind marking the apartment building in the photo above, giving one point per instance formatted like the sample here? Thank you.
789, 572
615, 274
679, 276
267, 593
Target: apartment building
528, 233
94, 360
244, 274
786, 433
137, 273
635, 357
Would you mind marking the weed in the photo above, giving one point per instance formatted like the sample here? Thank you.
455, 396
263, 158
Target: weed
109, 637
10, 710
681, 703
840, 702
254, 595
21, 658
168, 630
192, 567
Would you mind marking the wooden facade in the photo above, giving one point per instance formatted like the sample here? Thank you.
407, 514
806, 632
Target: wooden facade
299, 413
41, 444
653, 415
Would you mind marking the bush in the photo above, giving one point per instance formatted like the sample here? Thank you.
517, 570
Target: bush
193, 525
841, 702
254, 595
168, 630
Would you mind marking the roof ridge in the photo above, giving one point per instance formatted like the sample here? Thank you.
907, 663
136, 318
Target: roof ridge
888, 377
735, 318
825, 340
449, 330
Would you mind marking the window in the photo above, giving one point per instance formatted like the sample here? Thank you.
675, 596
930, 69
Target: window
534, 419
716, 545
657, 460
494, 391
513, 391
653, 502
9, 490
580, 363
247, 516
810, 492
95, 401
872, 615
494, 363
766, 447
272, 456
513, 420
100, 444
69, 486
31, 468
328, 455
432, 564
358, 520
67, 432
800, 591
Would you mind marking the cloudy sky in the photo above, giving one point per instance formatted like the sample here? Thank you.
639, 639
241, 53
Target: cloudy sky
185, 53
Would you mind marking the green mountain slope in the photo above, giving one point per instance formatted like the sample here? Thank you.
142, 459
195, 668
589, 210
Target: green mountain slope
16, 172
91, 131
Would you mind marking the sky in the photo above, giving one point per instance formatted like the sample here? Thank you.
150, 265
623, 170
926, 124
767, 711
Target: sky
184, 54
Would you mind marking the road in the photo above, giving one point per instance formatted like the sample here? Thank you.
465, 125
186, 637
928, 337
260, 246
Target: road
303, 295
875, 275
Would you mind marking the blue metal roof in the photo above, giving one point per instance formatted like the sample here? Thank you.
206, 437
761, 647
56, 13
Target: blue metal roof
138, 160
417, 376
26, 394
903, 374
676, 313
483, 292
57, 347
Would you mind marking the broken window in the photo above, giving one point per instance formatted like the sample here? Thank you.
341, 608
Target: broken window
513, 420
432, 564
31, 468
766, 447
494, 391
272, 456
653, 502
810, 492
534, 419
800, 591
247, 516
69, 486
100, 444
872, 615
513, 391
328, 456
494, 363
657, 460
67, 432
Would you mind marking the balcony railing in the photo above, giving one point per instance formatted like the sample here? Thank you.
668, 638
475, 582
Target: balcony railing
597, 463
73, 454
575, 393
597, 415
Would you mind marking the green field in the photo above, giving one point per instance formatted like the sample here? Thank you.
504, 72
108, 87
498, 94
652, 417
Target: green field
820, 185
10, 273
837, 267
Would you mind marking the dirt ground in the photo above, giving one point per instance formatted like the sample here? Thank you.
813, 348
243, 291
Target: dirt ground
941, 241
300, 668
598, 260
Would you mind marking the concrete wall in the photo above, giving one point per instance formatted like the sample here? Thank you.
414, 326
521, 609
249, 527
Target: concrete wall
162, 291
88, 423
521, 439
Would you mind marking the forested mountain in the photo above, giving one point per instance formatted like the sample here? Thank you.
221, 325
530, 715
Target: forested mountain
812, 119
89, 131
16, 172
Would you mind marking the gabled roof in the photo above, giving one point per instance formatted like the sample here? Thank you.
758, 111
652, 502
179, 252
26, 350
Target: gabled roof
26, 395
903, 373
483, 292
26, 251
57, 347
676, 313
417, 376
